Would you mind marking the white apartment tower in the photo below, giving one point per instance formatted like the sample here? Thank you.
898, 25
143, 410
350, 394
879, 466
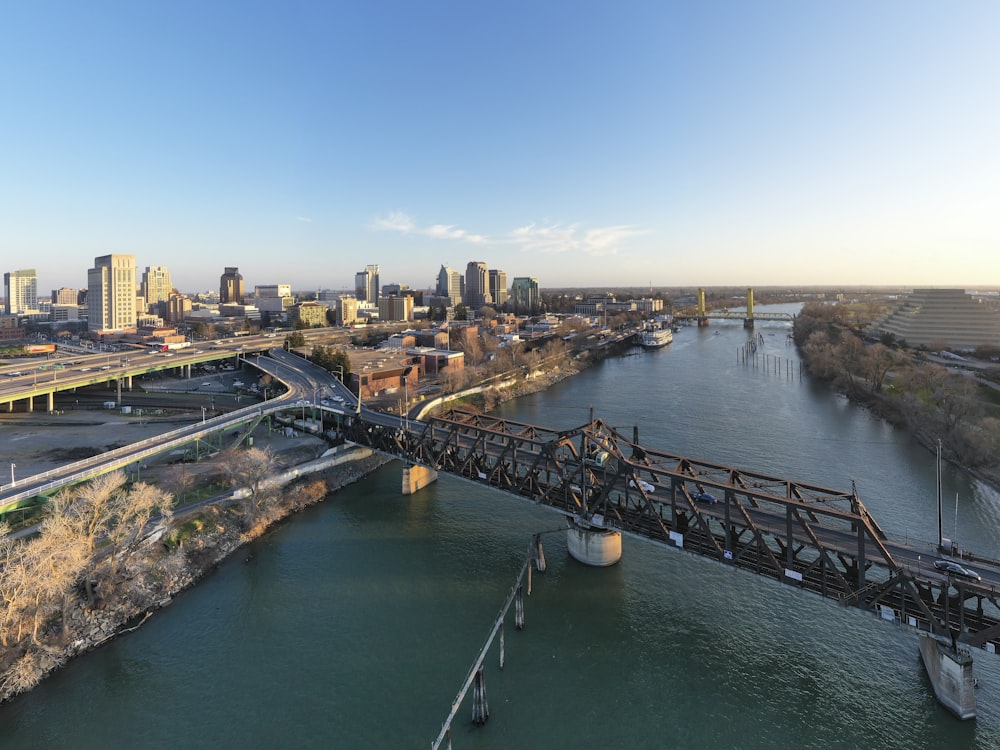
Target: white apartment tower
111, 293
21, 291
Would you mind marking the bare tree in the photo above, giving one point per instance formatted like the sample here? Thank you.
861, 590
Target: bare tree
249, 468
106, 512
14, 588
878, 362
56, 559
136, 508
178, 478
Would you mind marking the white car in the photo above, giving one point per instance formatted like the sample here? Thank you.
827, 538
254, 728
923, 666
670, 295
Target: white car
646, 486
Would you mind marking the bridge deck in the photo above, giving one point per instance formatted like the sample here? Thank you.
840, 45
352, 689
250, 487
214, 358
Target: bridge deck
812, 537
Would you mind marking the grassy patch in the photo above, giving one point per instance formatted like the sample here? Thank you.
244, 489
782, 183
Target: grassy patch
200, 524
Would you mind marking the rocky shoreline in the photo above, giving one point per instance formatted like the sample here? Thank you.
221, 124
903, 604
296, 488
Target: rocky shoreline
158, 577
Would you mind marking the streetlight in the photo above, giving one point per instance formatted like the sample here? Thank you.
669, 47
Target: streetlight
406, 396
203, 415
12, 474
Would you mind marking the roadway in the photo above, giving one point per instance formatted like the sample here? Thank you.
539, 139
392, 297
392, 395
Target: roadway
31, 378
279, 365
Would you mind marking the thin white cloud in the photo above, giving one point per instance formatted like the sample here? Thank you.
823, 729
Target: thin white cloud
532, 238
570, 238
304, 219
397, 221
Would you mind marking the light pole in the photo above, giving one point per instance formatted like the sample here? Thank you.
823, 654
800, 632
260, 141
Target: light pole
12, 474
203, 415
406, 396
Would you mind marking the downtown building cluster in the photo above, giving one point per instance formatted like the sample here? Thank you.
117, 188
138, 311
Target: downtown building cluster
119, 300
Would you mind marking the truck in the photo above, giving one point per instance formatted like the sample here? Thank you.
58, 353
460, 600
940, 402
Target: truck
174, 345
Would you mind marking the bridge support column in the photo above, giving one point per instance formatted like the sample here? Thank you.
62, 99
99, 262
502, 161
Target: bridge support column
52, 402
417, 477
593, 545
950, 673
31, 403
748, 323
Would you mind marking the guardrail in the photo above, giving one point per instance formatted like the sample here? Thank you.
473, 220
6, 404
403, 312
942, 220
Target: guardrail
136, 451
133, 452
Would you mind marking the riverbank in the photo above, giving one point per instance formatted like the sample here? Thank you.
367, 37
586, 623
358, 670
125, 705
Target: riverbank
176, 555
934, 404
181, 552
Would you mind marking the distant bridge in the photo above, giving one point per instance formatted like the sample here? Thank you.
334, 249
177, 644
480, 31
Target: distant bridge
702, 315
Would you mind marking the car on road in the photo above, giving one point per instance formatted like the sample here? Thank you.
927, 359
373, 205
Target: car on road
646, 486
953, 568
705, 497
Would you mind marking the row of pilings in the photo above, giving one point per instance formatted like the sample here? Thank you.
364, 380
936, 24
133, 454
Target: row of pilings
750, 355
476, 678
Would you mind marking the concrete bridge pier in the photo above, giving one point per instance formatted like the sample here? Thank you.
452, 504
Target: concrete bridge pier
416, 477
950, 672
593, 545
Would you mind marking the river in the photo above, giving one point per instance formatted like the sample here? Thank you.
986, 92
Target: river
354, 623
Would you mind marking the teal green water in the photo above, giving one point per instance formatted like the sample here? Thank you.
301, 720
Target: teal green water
354, 624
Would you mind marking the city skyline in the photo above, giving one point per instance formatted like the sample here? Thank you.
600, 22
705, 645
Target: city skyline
642, 144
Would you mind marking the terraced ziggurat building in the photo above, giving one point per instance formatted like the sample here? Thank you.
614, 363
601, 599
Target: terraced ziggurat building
942, 319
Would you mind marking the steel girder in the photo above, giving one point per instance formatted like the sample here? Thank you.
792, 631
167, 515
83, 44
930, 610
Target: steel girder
815, 538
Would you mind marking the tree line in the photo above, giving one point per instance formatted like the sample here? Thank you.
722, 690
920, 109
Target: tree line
934, 402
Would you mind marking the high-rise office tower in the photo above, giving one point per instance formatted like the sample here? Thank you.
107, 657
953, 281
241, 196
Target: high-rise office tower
525, 296
21, 291
450, 284
111, 293
498, 287
366, 287
231, 287
477, 292
156, 286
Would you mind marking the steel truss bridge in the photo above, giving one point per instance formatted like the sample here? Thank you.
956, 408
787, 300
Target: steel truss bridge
813, 538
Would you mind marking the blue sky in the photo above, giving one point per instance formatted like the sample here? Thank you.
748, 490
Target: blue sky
586, 144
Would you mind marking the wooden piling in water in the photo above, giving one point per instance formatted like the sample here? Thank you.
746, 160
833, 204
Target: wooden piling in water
501, 646
539, 556
519, 609
476, 678
480, 708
